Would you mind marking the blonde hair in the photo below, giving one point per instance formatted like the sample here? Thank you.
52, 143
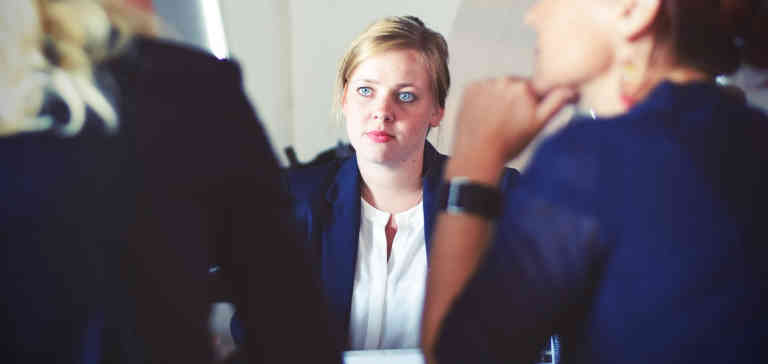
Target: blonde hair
396, 33
53, 46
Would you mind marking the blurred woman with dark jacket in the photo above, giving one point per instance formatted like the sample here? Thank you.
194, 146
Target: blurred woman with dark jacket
635, 231
128, 164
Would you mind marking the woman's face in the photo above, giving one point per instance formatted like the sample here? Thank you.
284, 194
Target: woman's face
574, 41
389, 106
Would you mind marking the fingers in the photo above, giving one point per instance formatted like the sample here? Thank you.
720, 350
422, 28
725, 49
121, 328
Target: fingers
553, 102
504, 114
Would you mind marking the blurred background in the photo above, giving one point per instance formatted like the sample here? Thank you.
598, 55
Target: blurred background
289, 49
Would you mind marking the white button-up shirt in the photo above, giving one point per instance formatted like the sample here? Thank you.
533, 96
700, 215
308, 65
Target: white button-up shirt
388, 296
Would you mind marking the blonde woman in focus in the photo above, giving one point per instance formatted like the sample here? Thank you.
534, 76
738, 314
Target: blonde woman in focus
367, 220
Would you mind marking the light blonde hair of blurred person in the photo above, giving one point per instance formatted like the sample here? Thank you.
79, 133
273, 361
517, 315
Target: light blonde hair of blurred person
396, 33
53, 46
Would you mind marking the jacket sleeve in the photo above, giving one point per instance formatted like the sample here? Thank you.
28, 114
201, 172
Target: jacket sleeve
509, 180
541, 265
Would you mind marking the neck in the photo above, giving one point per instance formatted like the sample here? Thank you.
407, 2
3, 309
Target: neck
392, 189
603, 94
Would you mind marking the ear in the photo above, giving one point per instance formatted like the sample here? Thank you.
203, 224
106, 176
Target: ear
637, 16
437, 117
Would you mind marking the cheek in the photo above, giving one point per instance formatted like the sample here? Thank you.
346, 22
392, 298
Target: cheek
573, 59
354, 110
353, 127
417, 125
585, 57
351, 122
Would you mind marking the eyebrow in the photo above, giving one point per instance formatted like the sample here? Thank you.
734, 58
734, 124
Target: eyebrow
399, 85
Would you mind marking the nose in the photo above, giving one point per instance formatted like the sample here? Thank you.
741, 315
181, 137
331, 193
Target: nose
383, 110
382, 115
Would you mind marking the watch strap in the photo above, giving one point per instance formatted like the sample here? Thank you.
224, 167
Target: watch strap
462, 196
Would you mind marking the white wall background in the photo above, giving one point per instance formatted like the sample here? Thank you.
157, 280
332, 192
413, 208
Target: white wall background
183, 21
259, 36
289, 50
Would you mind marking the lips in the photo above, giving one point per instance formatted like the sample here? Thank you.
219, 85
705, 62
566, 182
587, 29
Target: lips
379, 136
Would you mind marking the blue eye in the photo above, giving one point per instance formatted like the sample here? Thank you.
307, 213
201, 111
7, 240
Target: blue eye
406, 97
364, 91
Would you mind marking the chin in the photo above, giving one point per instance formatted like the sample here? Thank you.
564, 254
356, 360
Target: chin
544, 80
373, 153
540, 85
377, 159
543, 83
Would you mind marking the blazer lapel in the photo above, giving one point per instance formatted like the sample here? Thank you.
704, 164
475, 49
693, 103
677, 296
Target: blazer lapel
340, 241
432, 176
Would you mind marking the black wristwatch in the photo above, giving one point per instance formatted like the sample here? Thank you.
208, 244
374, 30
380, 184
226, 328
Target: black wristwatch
462, 196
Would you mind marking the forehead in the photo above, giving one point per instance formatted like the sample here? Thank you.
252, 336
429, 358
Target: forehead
392, 67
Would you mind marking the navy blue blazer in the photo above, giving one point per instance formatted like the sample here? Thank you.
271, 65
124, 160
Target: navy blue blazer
327, 209
639, 238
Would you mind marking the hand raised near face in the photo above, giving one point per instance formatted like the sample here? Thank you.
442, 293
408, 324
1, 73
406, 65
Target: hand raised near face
499, 117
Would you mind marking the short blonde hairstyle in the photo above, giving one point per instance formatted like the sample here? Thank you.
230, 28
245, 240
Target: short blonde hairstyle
396, 33
53, 46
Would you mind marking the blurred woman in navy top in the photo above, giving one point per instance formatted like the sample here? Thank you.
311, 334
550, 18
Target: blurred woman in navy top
128, 163
633, 234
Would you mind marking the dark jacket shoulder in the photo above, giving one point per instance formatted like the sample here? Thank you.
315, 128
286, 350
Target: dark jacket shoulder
181, 68
171, 56
305, 183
